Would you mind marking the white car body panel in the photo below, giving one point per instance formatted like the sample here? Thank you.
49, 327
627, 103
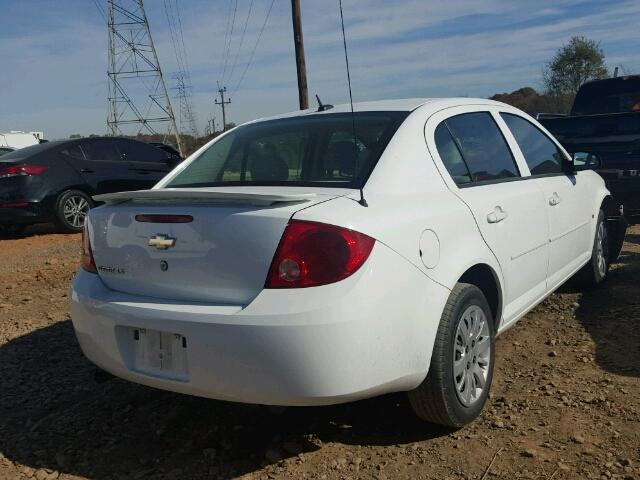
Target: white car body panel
307, 346
220, 225
368, 334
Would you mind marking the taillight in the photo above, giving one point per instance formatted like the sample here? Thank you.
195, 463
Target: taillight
86, 260
312, 254
22, 171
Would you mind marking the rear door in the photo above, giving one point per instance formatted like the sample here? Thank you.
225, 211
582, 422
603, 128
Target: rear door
566, 196
147, 164
481, 170
100, 164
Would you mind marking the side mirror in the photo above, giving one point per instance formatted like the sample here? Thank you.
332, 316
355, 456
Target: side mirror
586, 161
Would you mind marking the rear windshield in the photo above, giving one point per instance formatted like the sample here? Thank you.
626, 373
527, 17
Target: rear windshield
614, 95
318, 150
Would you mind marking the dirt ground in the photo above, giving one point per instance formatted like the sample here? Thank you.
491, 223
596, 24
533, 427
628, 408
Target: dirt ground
565, 401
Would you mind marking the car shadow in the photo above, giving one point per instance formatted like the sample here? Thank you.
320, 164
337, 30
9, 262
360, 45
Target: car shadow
611, 314
59, 412
32, 230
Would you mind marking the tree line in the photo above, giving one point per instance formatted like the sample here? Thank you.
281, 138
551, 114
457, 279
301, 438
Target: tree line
575, 63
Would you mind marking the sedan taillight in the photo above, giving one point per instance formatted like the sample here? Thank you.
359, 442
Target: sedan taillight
22, 171
86, 260
312, 254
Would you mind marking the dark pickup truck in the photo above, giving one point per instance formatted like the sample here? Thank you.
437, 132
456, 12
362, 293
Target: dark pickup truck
603, 129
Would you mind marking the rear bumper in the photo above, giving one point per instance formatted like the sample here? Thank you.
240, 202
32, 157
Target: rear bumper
361, 337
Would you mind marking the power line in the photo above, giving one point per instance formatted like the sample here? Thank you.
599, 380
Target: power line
228, 50
254, 49
226, 30
173, 35
101, 11
244, 30
184, 49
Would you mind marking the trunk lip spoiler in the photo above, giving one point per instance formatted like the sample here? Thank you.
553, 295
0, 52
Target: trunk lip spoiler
198, 194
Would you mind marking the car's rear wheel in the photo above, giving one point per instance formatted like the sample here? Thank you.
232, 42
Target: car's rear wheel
72, 208
596, 270
456, 387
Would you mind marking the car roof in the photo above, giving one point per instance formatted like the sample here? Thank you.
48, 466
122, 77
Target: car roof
398, 105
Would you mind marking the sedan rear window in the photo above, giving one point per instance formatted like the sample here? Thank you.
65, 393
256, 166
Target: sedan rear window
319, 150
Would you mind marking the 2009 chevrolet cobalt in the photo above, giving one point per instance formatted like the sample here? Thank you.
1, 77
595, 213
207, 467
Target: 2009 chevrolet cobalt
323, 257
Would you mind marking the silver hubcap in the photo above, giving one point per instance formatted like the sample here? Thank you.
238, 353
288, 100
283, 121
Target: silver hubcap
75, 210
471, 355
601, 245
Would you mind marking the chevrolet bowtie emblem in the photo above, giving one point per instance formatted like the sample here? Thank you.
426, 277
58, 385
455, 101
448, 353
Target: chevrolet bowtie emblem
162, 242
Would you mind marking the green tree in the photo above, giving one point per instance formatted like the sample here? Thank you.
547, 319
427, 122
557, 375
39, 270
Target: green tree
575, 63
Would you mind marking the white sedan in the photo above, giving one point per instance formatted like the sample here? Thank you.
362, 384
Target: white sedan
323, 257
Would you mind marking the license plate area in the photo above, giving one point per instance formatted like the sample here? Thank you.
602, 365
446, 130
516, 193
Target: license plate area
154, 352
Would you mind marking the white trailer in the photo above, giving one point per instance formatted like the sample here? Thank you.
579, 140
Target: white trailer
15, 139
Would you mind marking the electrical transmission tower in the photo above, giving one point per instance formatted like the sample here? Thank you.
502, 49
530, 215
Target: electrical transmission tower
182, 77
134, 73
183, 94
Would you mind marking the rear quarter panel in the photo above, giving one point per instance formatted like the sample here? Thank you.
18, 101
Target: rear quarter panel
406, 195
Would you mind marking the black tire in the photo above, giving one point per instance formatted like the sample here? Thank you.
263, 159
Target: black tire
617, 230
595, 272
437, 398
72, 220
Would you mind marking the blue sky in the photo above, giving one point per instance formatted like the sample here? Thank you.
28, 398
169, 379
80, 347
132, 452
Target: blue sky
53, 53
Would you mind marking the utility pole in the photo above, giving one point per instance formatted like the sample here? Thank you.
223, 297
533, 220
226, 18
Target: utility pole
223, 103
301, 66
211, 126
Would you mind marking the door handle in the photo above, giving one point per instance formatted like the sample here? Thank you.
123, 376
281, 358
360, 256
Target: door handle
554, 199
86, 170
497, 215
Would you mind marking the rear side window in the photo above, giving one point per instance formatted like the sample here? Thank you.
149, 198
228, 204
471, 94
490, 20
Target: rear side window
141, 152
540, 153
101, 150
72, 152
450, 155
479, 144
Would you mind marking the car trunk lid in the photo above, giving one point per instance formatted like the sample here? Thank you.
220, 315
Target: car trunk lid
219, 251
